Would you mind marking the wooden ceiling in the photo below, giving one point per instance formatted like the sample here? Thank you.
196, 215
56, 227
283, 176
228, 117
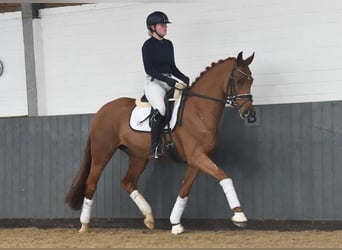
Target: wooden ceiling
10, 7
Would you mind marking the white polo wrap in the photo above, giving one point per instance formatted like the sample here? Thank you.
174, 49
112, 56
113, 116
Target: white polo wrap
141, 203
86, 211
229, 190
178, 210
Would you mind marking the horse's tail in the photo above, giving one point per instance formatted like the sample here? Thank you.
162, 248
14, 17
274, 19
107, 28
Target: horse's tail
77, 190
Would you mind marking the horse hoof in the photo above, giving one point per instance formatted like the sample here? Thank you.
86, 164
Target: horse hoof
149, 221
240, 224
177, 229
239, 219
84, 228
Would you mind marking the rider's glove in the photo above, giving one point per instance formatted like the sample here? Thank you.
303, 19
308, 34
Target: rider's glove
187, 80
171, 82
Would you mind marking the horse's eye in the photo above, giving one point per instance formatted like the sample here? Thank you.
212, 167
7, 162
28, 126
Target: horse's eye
240, 81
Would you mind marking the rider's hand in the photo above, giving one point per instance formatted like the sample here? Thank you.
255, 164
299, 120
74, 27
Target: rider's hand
171, 82
187, 80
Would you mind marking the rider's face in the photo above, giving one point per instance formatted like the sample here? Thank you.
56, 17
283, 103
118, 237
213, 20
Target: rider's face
161, 29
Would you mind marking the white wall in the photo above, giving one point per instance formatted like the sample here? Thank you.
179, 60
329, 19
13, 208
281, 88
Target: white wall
13, 98
92, 53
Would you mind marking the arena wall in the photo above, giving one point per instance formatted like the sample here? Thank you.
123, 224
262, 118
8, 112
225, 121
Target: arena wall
288, 166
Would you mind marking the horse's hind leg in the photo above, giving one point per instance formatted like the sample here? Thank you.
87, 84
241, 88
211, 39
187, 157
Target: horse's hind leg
100, 158
130, 182
182, 199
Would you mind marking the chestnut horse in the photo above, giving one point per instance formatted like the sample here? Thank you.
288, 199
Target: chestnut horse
225, 82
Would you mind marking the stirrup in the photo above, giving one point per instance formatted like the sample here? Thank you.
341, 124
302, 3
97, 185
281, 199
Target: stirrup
155, 154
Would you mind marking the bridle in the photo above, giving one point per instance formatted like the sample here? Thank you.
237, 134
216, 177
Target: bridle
232, 95
231, 92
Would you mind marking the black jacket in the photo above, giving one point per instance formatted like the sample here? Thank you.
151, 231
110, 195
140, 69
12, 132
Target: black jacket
158, 58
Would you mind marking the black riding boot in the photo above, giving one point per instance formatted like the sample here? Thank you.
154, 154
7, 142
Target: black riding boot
157, 124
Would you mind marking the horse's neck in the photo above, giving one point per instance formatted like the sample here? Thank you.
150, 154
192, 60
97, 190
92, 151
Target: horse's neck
212, 85
214, 80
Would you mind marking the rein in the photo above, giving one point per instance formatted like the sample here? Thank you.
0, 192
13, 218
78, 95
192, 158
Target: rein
188, 92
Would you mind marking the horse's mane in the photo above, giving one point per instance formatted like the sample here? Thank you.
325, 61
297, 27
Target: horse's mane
208, 68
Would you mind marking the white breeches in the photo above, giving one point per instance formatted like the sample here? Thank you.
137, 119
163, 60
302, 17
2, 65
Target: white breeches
155, 92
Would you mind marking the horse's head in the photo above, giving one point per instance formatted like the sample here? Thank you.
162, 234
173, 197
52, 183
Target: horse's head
239, 88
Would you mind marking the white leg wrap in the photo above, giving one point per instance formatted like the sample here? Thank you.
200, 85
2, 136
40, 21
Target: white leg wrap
178, 210
141, 203
229, 190
86, 211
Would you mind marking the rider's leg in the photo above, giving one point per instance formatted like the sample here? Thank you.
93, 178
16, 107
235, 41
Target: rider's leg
157, 124
155, 92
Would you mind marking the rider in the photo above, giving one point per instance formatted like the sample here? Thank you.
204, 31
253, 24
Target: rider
159, 64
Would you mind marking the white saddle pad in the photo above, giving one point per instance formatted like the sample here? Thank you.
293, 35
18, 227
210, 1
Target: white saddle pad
139, 114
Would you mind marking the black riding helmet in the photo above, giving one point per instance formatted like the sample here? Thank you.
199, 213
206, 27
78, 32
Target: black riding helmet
155, 18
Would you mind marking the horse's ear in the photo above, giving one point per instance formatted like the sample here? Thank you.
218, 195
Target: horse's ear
239, 58
249, 60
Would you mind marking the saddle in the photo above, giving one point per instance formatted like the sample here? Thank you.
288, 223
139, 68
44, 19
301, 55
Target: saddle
140, 116
142, 111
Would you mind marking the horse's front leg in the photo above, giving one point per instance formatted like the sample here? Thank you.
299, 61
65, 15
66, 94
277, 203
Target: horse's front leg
129, 183
202, 162
181, 201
